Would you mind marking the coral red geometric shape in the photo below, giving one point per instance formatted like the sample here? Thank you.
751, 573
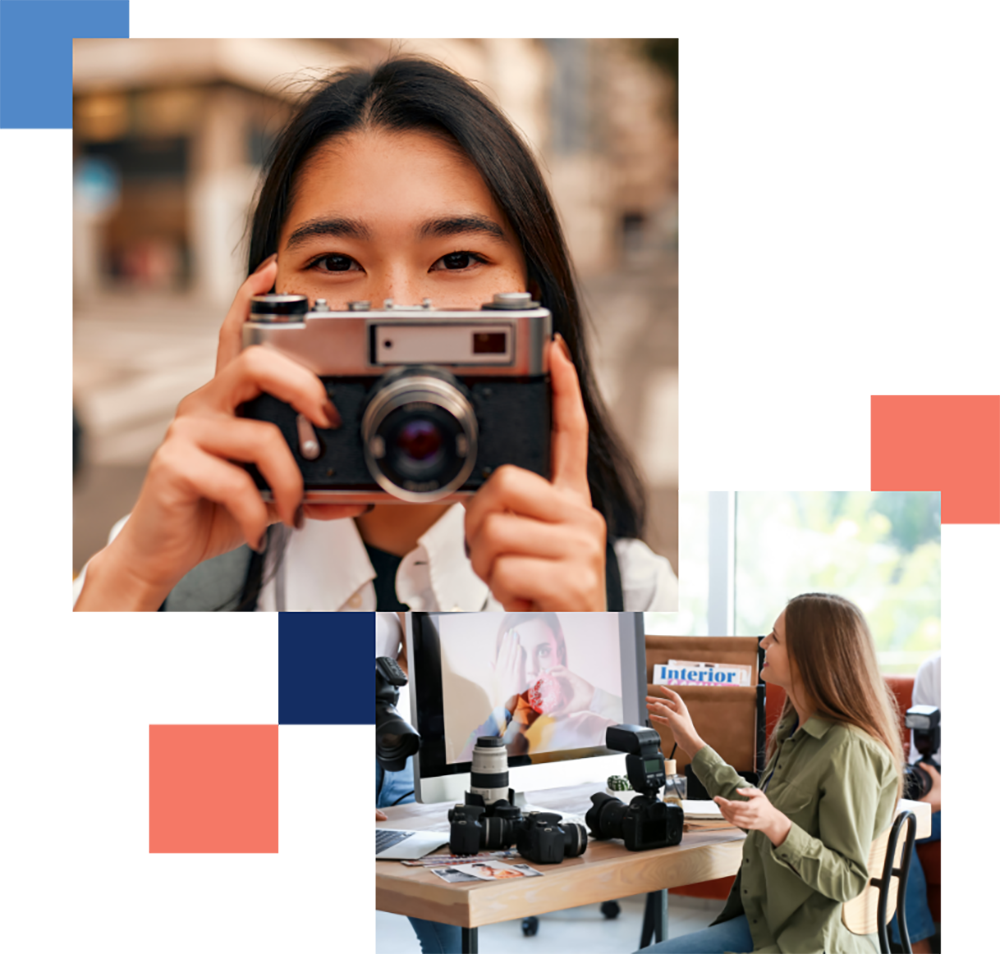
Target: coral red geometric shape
899, 372
168, 813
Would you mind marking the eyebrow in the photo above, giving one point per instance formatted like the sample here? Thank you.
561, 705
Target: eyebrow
461, 224
350, 228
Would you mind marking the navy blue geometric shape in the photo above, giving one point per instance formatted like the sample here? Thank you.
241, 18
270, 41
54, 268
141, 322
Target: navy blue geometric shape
36, 56
326, 673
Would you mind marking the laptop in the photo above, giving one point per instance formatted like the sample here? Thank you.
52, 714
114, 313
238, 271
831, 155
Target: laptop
396, 845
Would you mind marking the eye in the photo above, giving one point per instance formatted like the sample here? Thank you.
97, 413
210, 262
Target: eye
457, 261
335, 263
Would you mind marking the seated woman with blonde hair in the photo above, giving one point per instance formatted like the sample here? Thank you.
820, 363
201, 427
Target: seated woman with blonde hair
830, 787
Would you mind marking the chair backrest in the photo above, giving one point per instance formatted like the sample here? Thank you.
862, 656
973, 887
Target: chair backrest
860, 915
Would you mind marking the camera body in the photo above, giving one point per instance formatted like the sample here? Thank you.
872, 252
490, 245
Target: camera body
545, 839
431, 401
541, 837
925, 721
489, 820
646, 822
395, 739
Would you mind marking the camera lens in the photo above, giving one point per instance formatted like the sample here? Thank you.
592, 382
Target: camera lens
421, 440
606, 816
419, 434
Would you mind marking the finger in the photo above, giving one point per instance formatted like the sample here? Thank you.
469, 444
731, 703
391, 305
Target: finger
671, 695
569, 423
258, 370
256, 442
231, 333
512, 489
662, 701
750, 792
546, 585
381, 816
206, 476
510, 533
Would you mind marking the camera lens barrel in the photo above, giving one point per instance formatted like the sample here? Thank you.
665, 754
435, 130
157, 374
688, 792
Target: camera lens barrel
490, 777
606, 816
420, 435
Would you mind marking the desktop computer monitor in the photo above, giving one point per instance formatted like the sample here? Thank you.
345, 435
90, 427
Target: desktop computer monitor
549, 684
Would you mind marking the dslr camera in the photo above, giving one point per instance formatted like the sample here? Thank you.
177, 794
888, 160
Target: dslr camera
431, 401
925, 721
395, 739
489, 820
646, 822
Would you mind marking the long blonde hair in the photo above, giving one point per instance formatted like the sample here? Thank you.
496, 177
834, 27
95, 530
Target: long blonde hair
831, 647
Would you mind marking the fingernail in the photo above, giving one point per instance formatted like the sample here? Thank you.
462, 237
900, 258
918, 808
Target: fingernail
468, 552
561, 341
300, 517
267, 261
332, 415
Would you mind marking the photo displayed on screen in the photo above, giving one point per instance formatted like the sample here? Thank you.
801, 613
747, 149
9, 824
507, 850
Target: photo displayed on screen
546, 683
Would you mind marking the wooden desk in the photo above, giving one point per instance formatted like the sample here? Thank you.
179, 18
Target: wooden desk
606, 871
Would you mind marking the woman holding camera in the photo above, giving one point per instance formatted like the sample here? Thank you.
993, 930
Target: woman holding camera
831, 784
402, 182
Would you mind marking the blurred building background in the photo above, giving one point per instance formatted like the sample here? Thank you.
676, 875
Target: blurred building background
169, 141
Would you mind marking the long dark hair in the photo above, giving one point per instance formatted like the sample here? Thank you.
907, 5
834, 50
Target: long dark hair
407, 94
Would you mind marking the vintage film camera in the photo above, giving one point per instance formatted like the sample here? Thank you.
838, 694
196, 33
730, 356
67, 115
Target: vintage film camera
489, 821
646, 822
431, 401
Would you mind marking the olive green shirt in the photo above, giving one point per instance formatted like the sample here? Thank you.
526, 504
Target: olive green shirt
838, 786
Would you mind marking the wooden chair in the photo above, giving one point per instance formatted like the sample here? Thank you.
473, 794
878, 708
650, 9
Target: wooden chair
871, 911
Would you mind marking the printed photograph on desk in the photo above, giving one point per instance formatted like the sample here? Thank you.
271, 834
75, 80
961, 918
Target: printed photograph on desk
483, 871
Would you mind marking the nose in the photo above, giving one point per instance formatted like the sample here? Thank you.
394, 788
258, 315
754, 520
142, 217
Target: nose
399, 284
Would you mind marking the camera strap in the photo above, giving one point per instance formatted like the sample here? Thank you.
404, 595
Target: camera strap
613, 589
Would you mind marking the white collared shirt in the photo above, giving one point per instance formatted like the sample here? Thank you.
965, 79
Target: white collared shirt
326, 569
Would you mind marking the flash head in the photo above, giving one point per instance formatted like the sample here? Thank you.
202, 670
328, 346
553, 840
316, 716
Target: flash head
925, 721
634, 739
643, 760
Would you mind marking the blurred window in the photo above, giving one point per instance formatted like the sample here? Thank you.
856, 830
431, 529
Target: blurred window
881, 550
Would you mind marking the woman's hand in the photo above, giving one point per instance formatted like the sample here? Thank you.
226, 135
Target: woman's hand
380, 816
757, 813
197, 501
671, 711
577, 693
539, 545
509, 679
